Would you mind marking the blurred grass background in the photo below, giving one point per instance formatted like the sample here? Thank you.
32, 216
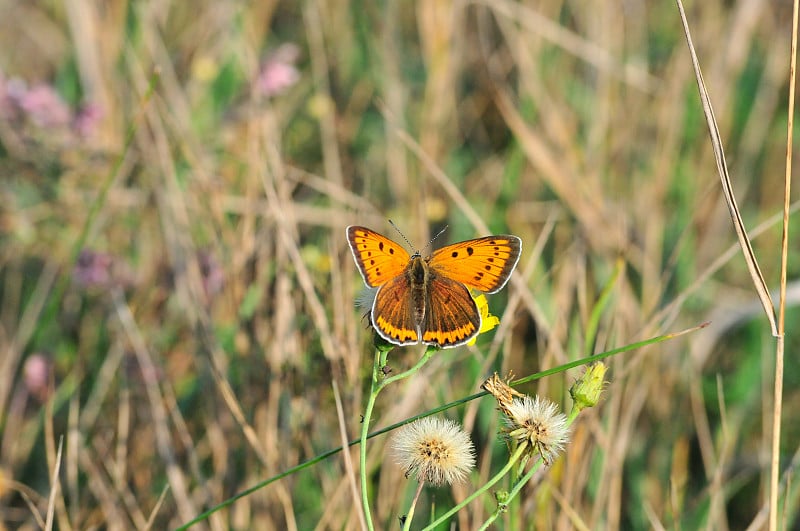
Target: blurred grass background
177, 296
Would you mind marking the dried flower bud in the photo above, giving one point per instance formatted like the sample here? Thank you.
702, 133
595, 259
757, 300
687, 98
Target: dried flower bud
501, 391
586, 391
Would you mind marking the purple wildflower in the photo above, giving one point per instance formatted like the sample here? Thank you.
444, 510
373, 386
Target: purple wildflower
278, 72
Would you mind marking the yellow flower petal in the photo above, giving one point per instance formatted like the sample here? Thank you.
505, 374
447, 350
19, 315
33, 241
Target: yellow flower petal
488, 321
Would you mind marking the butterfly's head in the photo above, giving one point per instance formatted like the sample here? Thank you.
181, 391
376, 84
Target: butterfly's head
418, 253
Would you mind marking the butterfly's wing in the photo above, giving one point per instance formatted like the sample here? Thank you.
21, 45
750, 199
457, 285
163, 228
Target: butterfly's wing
393, 314
484, 264
378, 258
451, 315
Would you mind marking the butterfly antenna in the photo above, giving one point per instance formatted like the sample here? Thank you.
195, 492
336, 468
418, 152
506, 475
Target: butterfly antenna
401, 234
435, 237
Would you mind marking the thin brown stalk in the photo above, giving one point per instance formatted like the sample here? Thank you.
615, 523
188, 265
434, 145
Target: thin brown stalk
55, 483
727, 187
27, 326
779, 354
176, 478
352, 476
744, 242
154, 512
99, 486
575, 44
54, 461
456, 195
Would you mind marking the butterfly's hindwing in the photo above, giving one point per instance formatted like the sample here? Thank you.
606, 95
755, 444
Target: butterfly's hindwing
393, 312
452, 317
484, 264
378, 258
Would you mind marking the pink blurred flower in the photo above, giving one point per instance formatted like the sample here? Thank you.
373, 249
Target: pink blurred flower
40, 113
16, 90
213, 275
5, 102
36, 375
93, 269
278, 72
44, 107
11, 92
87, 119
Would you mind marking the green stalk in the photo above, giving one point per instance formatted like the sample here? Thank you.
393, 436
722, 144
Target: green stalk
497, 477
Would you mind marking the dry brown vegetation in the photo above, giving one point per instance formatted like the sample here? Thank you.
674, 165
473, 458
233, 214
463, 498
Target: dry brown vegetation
177, 296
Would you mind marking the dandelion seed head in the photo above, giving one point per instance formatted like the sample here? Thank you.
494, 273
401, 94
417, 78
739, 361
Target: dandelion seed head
538, 422
366, 298
434, 450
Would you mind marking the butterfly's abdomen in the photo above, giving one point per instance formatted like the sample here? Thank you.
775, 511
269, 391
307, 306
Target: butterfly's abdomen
418, 280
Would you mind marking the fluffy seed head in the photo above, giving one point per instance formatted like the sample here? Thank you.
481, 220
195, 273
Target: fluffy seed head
434, 450
537, 422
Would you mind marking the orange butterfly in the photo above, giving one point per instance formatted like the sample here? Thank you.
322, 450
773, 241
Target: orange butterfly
426, 299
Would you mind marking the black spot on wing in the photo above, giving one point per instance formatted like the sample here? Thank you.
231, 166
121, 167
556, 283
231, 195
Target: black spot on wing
470, 251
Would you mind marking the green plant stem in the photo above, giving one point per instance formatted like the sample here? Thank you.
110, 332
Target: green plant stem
430, 351
376, 386
497, 477
410, 514
601, 306
501, 507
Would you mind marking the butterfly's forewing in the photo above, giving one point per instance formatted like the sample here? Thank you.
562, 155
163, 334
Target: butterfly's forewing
484, 264
451, 316
393, 313
378, 258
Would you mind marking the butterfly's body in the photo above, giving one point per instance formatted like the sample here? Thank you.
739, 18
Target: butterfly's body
418, 275
427, 299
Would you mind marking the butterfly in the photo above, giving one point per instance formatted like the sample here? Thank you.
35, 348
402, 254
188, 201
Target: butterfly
428, 299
